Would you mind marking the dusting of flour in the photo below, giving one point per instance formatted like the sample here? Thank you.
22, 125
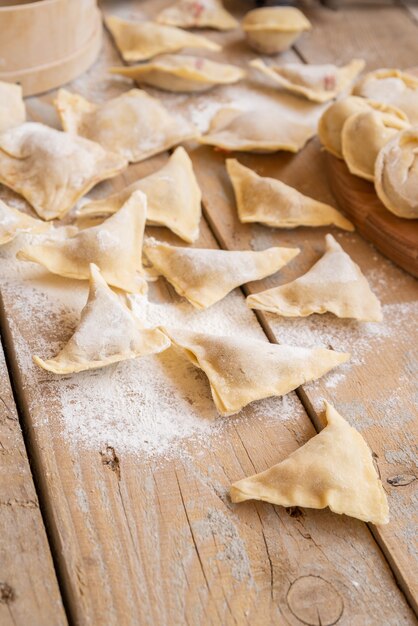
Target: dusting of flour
158, 406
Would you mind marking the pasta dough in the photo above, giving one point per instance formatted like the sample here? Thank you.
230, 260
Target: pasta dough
206, 276
51, 169
271, 202
363, 135
198, 14
334, 283
319, 83
175, 72
274, 29
114, 246
108, 332
12, 107
241, 370
173, 198
140, 41
334, 468
265, 130
333, 119
13, 222
396, 174
392, 87
134, 125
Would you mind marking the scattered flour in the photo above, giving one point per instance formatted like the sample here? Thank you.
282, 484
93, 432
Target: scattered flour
160, 405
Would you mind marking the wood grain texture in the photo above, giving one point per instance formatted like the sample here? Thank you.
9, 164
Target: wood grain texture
29, 591
154, 539
395, 237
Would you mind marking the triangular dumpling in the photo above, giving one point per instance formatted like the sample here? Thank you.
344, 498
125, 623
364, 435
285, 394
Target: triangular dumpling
272, 202
173, 198
197, 14
139, 41
52, 169
108, 332
114, 246
134, 125
332, 121
362, 138
12, 107
335, 283
265, 130
181, 73
13, 222
206, 276
318, 83
393, 87
334, 468
241, 370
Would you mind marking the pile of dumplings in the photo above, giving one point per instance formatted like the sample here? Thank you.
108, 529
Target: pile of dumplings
53, 170
375, 131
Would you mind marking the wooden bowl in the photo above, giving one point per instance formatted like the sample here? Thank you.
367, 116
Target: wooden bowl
47, 43
395, 237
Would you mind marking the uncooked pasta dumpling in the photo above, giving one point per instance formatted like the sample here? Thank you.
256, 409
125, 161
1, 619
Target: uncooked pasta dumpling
274, 29
318, 83
114, 246
108, 332
134, 125
242, 370
271, 202
335, 284
176, 72
393, 87
206, 276
198, 14
173, 198
264, 130
51, 169
363, 135
13, 222
396, 174
12, 107
333, 119
333, 469
140, 41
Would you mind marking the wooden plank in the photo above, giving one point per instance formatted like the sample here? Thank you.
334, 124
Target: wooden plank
372, 33
140, 516
337, 37
375, 392
29, 592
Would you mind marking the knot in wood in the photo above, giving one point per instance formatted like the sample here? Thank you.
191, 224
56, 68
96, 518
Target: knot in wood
111, 460
7, 594
315, 601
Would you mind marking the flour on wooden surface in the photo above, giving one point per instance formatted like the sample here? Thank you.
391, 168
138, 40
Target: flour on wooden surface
158, 405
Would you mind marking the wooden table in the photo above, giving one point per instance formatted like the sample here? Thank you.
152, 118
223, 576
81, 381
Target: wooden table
96, 534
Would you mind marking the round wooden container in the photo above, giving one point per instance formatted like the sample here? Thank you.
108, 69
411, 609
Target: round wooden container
47, 43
